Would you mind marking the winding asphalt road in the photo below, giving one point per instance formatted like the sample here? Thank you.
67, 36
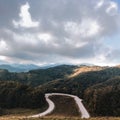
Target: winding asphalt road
82, 109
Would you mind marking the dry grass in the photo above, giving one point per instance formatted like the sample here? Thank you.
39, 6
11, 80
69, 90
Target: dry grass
64, 106
85, 69
57, 118
21, 111
18, 114
74, 118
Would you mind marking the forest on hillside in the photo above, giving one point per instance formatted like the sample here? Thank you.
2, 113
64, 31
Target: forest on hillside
99, 89
17, 95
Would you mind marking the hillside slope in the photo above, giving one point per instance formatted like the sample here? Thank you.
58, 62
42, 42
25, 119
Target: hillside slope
39, 76
92, 83
104, 98
17, 95
99, 98
77, 84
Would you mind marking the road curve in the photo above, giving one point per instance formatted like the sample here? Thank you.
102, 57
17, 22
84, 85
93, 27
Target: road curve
82, 109
48, 111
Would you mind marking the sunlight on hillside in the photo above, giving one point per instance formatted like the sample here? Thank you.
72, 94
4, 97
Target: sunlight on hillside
84, 69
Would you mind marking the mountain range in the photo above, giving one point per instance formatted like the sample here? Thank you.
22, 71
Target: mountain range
24, 67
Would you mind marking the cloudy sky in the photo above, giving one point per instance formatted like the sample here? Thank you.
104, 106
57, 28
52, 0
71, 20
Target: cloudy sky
60, 32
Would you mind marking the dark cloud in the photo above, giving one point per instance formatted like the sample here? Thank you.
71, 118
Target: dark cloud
53, 31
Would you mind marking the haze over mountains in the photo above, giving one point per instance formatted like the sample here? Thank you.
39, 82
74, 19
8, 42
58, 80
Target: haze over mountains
27, 67
18, 67
24, 67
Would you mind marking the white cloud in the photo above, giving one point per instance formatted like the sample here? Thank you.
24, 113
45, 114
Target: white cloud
2, 58
99, 4
3, 46
86, 28
25, 38
112, 8
25, 18
68, 31
45, 37
89, 28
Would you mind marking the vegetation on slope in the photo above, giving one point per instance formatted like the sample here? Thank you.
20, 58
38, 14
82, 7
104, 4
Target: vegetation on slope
17, 95
104, 99
99, 99
38, 77
78, 84
98, 86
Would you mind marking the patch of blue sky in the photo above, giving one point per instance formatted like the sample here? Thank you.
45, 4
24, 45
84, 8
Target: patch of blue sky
113, 41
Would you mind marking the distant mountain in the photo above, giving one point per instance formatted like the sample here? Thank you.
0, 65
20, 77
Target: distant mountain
86, 64
3, 62
27, 67
50, 66
18, 67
